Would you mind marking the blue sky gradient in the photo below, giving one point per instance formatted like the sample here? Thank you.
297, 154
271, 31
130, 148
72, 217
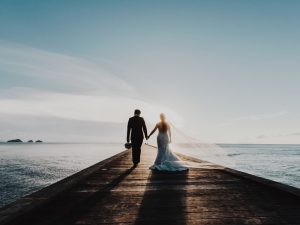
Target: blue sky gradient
225, 71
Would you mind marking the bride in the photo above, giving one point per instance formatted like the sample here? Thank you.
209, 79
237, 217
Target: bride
165, 160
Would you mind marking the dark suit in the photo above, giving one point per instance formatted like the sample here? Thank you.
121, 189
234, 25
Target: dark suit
136, 129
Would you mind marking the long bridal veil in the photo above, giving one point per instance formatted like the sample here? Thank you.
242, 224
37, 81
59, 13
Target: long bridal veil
183, 143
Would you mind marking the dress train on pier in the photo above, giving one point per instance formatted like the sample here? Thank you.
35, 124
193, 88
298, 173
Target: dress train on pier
166, 160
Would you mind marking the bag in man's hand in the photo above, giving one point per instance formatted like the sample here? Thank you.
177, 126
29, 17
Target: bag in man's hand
128, 145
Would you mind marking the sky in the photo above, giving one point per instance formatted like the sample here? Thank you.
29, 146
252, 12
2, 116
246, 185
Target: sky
222, 71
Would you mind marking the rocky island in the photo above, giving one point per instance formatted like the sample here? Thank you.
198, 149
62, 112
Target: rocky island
15, 141
20, 141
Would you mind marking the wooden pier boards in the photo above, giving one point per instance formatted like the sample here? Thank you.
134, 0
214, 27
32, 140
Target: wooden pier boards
114, 193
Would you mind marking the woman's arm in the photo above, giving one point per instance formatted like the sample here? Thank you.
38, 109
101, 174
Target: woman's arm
169, 130
155, 128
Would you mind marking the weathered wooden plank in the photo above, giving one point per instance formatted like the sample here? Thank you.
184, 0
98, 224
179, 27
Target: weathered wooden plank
115, 193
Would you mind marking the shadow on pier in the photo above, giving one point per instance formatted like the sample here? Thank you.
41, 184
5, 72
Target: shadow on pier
164, 199
113, 192
92, 200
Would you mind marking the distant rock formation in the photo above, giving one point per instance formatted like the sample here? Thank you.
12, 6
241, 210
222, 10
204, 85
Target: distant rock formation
20, 141
15, 141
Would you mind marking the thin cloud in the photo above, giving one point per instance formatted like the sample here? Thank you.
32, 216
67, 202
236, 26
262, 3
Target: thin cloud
263, 136
81, 107
255, 118
263, 116
59, 71
69, 88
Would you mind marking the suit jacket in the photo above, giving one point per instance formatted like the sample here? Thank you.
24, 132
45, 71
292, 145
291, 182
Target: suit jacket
135, 128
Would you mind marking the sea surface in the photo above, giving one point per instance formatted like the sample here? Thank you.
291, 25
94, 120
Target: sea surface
26, 168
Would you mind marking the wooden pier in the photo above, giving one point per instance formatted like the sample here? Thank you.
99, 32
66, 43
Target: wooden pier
112, 192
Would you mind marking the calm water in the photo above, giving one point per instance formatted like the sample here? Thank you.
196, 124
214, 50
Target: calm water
276, 162
25, 168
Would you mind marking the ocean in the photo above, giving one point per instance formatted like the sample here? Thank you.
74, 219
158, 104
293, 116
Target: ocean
28, 167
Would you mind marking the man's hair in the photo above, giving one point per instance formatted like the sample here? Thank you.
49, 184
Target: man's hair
137, 112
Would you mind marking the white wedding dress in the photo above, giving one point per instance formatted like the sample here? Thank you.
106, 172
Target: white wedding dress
166, 160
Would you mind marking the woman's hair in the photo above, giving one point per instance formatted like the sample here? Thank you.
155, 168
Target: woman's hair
164, 124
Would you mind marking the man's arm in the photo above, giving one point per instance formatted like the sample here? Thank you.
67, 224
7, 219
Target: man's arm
128, 130
145, 129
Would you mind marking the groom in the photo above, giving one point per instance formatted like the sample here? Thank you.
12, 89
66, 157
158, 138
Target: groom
136, 131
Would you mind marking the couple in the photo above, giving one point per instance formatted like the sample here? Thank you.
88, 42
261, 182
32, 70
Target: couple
165, 160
